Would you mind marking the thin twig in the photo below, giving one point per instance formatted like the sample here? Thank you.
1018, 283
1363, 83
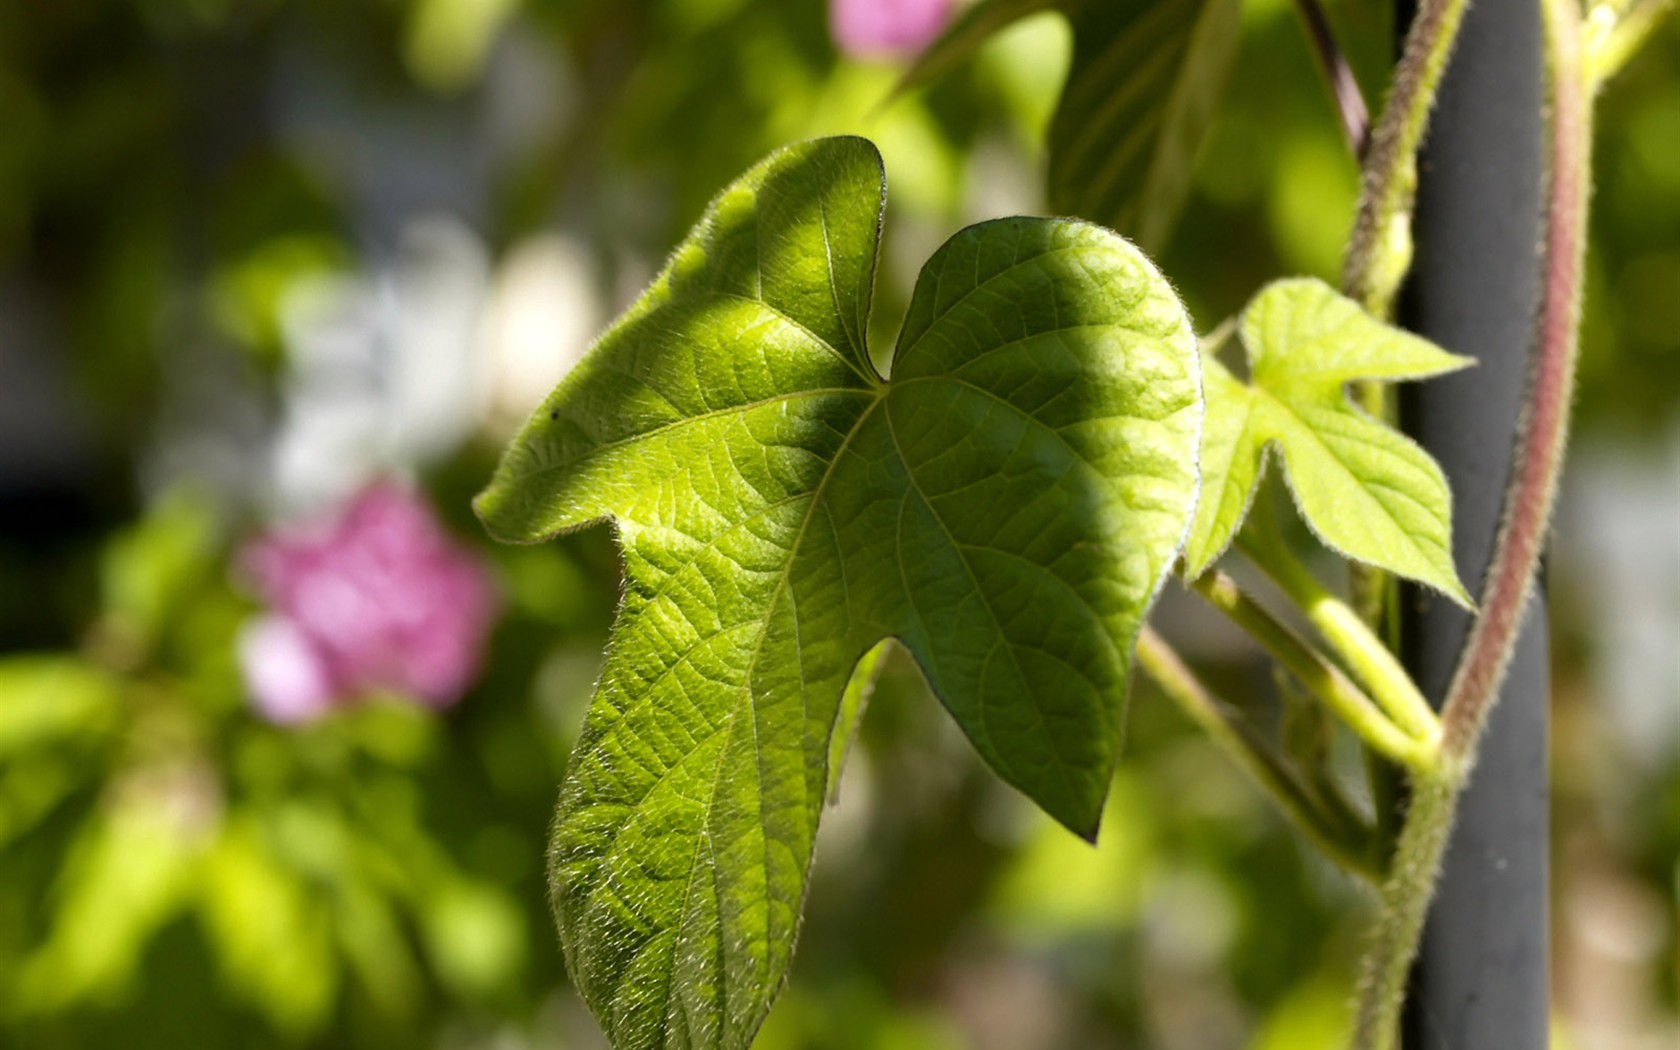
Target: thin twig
1344, 88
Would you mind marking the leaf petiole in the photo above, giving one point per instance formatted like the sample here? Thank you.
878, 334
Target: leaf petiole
1321, 677
1351, 638
1331, 825
1614, 33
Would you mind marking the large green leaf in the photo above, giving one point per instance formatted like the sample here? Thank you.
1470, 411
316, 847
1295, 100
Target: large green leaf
1141, 91
1006, 507
1367, 491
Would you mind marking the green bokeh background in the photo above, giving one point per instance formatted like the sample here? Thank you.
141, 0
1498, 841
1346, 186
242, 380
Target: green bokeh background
176, 872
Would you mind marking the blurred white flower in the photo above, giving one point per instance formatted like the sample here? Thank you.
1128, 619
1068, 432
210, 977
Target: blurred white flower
383, 371
543, 312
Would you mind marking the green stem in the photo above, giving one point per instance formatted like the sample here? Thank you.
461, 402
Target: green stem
1348, 633
1380, 247
1380, 252
1542, 438
1322, 678
1346, 842
1403, 905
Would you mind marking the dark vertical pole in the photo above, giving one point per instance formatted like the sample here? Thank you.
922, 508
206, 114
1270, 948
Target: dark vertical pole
1481, 980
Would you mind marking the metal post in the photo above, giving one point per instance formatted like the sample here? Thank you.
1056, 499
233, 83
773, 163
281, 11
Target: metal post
1481, 980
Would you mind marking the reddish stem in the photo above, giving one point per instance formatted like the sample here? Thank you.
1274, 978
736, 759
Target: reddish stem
1544, 432
1542, 436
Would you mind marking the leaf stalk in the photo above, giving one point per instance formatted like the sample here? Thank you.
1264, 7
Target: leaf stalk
1614, 33
1348, 633
1322, 678
1333, 828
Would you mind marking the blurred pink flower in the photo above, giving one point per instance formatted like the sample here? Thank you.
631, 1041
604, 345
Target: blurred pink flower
872, 27
375, 597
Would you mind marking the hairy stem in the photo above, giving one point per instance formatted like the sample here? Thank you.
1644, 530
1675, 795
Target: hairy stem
1543, 433
1345, 841
1380, 247
1380, 250
1542, 437
1321, 678
1403, 906
1344, 89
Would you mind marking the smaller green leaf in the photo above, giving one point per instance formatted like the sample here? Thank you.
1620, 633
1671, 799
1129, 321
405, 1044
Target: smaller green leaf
1367, 492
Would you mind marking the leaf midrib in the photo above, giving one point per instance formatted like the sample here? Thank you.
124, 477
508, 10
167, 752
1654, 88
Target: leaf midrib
742, 712
979, 708
1276, 403
678, 424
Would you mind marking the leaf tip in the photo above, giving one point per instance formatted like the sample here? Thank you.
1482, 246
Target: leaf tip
1196, 561
1460, 597
1086, 830
481, 508
1081, 816
487, 508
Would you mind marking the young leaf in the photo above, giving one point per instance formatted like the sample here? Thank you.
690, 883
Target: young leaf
1140, 97
1006, 507
1367, 491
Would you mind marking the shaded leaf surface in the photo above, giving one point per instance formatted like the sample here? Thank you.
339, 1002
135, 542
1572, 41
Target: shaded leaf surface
1367, 491
1006, 507
1140, 96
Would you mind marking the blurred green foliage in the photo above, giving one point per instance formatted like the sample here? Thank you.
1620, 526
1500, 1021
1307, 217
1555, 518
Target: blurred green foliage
176, 872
